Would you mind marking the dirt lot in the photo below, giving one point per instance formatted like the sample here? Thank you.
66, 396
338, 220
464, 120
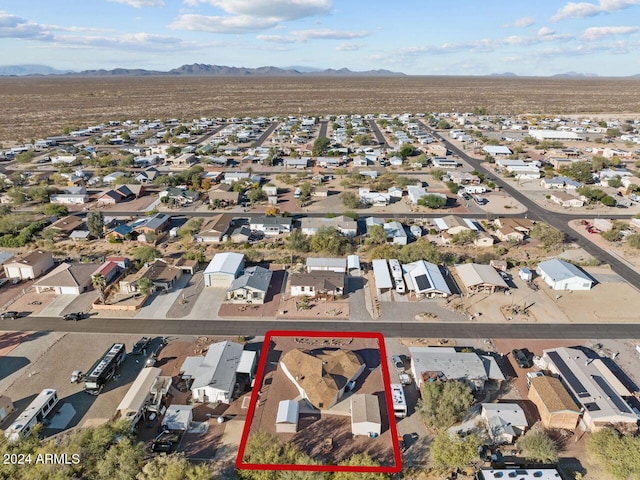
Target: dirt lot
83, 101
315, 425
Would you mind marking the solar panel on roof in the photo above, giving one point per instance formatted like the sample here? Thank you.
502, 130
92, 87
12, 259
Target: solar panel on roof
422, 281
568, 375
620, 404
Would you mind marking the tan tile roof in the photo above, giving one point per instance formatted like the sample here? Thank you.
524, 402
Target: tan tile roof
322, 373
553, 394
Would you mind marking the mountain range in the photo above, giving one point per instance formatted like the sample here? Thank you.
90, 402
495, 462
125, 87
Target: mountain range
196, 69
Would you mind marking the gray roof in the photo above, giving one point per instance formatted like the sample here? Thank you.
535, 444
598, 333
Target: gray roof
326, 262
217, 368
365, 408
473, 274
288, 411
559, 270
255, 278
454, 365
267, 220
426, 277
155, 222
227, 262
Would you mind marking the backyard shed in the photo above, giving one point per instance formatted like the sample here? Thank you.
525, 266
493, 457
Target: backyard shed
287, 417
365, 415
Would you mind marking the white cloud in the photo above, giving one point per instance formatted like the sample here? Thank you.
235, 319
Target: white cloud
587, 9
277, 39
282, 9
300, 36
595, 33
220, 24
141, 3
329, 34
349, 47
545, 32
522, 22
12, 26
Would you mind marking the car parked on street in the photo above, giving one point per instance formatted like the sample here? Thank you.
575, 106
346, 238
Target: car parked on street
11, 315
75, 316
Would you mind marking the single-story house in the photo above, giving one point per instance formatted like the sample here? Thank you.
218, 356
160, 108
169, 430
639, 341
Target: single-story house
71, 196
365, 415
444, 162
317, 284
109, 270
29, 266
251, 287
452, 224
67, 279
505, 421
425, 279
214, 230
271, 226
381, 275
346, 226
322, 376
477, 278
179, 196
287, 416
561, 275
223, 269
299, 163
66, 225
565, 199
415, 193
223, 194
555, 406
112, 177
446, 363
162, 275
178, 417
214, 375
156, 223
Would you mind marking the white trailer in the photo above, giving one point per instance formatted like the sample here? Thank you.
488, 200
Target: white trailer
399, 401
396, 274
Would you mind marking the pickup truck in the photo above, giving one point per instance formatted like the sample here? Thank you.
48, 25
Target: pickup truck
141, 345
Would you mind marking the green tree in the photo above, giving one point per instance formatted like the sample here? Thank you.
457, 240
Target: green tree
350, 199
618, 455
145, 253
538, 447
443, 404
453, 187
17, 195
145, 285
255, 195
359, 460
443, 125
328, 240
608, 201
464, 237
100, 285
549, 236
615, 182
320, 146
122, 461
173, 467
173, 151
25, 157
454, 453
432, 201
53, 210
579, 171
95, 224
297, 241
376, 235
39, 194
437, 173
406, 151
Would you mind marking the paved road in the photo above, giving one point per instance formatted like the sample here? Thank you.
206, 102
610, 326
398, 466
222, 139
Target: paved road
377, 133
265, 135
208, 135
324, 124
259, 327
557, 220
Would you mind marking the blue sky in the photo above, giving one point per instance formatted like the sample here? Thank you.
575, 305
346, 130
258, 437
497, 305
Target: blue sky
422, 37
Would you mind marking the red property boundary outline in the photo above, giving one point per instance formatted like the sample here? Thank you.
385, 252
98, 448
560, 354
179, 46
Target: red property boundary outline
321, 468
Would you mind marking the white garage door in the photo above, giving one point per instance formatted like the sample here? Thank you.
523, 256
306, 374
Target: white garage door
69, 290
26, 272
13, 272
218, 280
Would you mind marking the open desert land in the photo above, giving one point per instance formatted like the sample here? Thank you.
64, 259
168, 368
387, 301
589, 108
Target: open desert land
40, 106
